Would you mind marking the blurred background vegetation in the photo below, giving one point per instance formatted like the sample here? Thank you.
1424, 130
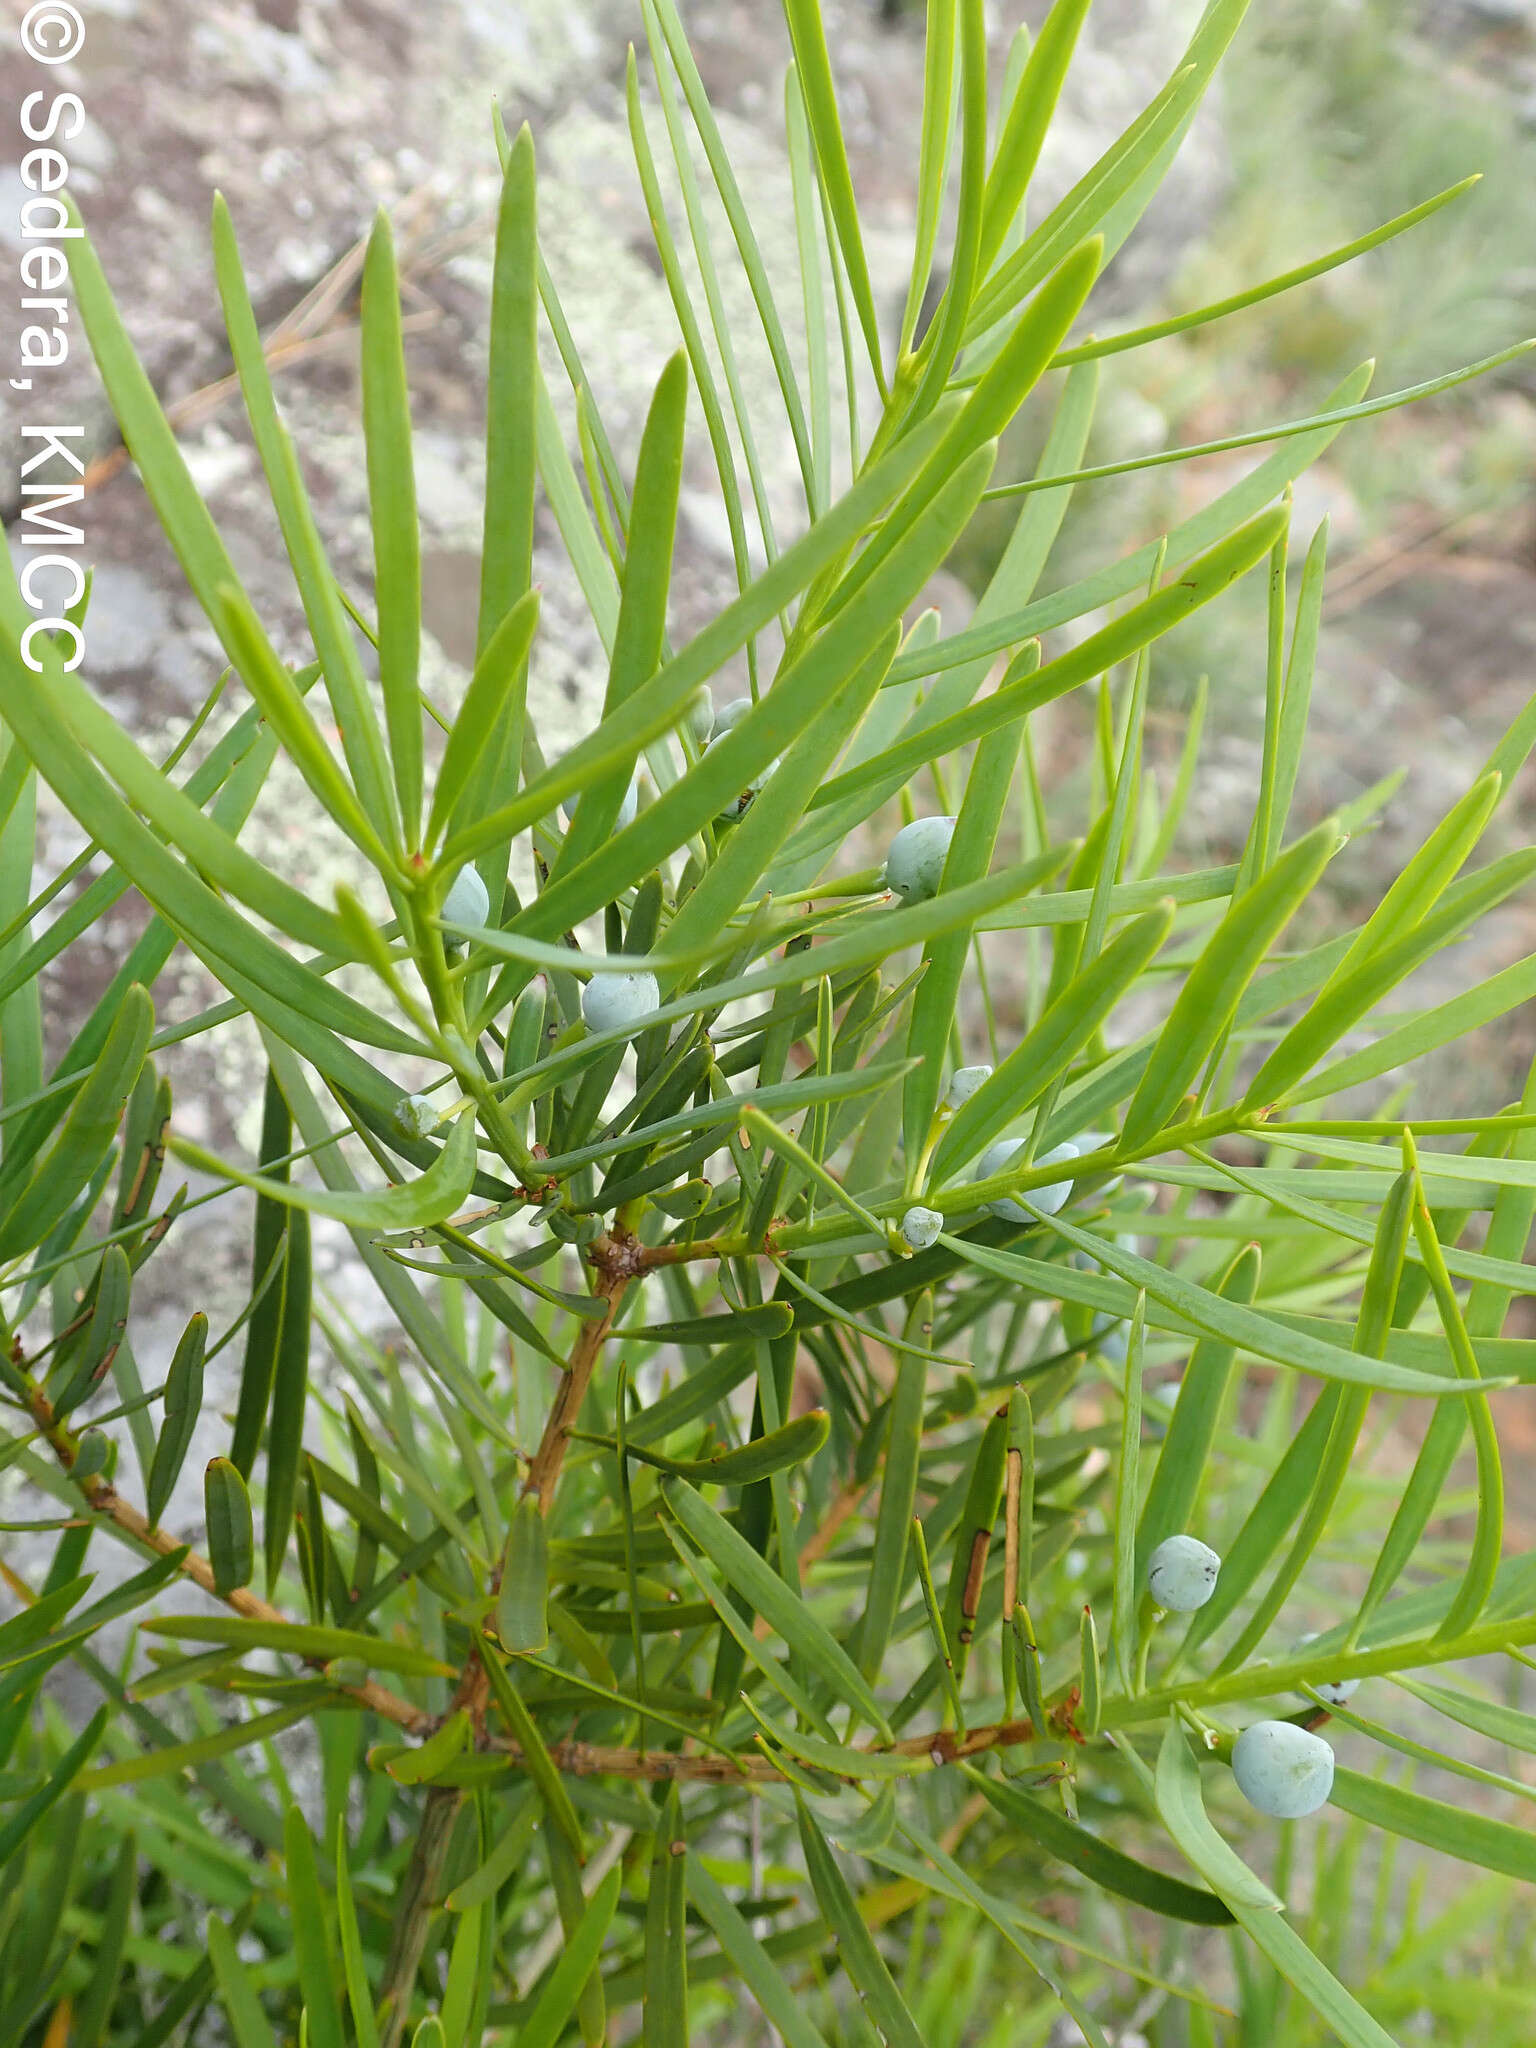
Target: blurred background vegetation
1336, 115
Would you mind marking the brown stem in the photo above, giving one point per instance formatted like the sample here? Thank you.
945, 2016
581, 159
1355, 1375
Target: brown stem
617, 1262
941, 1747
378, 1698
106, 1501
415, 1904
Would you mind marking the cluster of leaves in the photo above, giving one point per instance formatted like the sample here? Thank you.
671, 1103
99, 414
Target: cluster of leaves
732, 1684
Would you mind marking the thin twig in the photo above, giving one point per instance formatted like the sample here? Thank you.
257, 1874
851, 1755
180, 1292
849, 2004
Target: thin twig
106, 1501
938, 1749
618, 1262
416, 1903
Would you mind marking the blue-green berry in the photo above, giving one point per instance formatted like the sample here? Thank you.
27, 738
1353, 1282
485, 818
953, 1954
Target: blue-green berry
1338, 1692
963, 1083
415, 1116
468, 901
997, 1158
727, 718
700, 716
914, 867
1283, 1770
628, 808
1182, 1573
920, 1227
737, 808
610, 1001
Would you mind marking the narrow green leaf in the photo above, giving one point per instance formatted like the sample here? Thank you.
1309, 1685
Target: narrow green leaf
1488, 1536
430, 1197
1211, 991
1296, 700
1270, 1931
933, 157
903, 1433
1469, 1836
242, 2007
396, 538
769, 1595
1390, 401
300, 1639
312, 1951
93, 2012
1044, 1054
505, 1856
31, 1203
536, 1758
354, 1969
341, 669
290, 1395
227, 1515
1345, 1409
854, 1946
640, 634
973, 1538
666, 1964
143, 1147
491, 709
1186, 1448
428, 1760
764, 1319
1029, 120
746, 242
698, 354
1176, 1303
521, 1621
1203, 579
1127, 1497
814, 66
69, 1766
1091, 1683
1105, 1866
1318, 266
808, 248
551, 2010
284, 709
858, 1765
765, 1983
85, 1362
776, 1451
1370, 966
773, 1669
941, 344
264, 1330
1183, 1814
1485, 1717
